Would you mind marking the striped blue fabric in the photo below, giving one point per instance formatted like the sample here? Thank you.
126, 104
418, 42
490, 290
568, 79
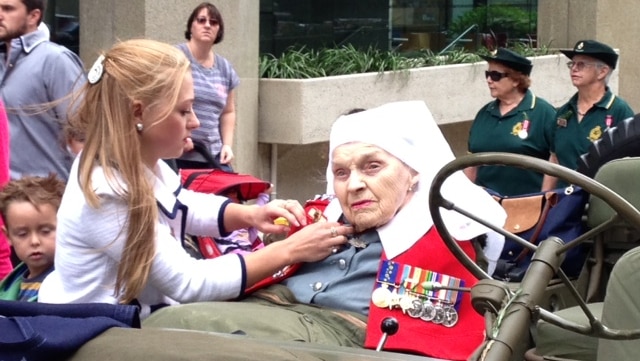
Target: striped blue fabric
212, 87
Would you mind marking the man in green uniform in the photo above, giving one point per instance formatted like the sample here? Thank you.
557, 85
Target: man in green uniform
593, 109
517, 121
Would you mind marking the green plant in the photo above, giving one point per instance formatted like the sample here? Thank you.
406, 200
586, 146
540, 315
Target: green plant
300, 63
497, 18
308, 63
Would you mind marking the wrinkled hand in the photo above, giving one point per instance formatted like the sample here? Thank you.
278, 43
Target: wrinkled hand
226, 154
317, 241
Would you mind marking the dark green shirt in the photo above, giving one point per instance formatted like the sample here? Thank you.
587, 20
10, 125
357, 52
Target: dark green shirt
572, 139
492, 132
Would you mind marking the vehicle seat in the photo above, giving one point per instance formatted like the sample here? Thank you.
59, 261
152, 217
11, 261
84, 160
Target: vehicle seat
622, 308
613, 265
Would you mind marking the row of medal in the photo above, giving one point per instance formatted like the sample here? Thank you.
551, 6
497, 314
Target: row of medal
430, 310
403, 286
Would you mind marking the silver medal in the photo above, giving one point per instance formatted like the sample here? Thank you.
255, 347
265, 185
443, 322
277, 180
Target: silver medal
439, 318
450, 317
523, 134
428, 311
416, 310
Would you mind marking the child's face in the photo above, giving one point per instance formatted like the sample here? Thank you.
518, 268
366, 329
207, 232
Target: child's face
32, 233
233, 195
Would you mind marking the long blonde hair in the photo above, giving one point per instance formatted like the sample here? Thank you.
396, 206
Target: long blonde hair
135, 70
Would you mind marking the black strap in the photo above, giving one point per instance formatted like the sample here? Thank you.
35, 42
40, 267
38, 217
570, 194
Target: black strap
203, 151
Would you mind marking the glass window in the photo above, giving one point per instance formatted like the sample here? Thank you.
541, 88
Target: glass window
63, 21
402, 25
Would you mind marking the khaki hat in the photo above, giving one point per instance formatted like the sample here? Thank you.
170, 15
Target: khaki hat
593, 49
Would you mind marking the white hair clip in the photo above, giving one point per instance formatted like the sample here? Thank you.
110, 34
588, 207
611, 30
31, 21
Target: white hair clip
96, 71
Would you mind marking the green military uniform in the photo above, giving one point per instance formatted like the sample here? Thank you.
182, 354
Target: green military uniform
493, 132
573, 138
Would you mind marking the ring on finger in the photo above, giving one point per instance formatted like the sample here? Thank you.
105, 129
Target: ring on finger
334, 232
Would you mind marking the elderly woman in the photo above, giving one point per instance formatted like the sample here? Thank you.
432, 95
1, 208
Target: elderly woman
378, 181
517, 121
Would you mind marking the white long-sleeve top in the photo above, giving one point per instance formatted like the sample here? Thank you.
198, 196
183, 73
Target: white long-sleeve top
90, 242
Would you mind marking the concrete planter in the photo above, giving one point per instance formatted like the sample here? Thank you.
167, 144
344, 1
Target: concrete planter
296, 111
295, 116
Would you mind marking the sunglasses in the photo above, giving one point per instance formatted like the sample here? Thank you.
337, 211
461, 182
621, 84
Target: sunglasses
202, 21
495, 75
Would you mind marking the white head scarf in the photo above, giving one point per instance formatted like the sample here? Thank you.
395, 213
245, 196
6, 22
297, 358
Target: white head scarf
408, 131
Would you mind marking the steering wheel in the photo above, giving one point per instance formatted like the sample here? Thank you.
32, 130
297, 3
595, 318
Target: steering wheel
549, 253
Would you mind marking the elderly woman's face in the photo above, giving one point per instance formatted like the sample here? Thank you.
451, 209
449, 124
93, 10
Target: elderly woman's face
371, 184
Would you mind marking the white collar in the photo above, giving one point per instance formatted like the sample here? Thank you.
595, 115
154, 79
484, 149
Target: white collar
166, 188
404, 230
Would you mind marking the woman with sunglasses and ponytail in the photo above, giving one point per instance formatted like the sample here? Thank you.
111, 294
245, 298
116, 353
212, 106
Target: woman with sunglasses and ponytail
517, 121
214, 81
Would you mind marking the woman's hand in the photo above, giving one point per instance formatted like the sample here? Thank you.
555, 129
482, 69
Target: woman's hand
226, 154
317, 241
291, 210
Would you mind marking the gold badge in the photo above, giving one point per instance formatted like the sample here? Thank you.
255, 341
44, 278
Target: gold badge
595, 133
516, 129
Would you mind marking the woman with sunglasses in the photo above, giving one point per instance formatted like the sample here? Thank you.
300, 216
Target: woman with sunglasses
214, 81
517, 121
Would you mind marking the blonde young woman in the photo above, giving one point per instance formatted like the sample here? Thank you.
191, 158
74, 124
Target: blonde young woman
123, 214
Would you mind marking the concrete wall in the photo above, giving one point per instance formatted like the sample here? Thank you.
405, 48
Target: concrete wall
561, 23
103, 22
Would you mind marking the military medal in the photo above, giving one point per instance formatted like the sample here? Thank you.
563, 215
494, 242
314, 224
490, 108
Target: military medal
418, 293
428, 311
608, 121
524, 132
381, 297
357, 243
406, 303
416, 308
450, 317
439, 314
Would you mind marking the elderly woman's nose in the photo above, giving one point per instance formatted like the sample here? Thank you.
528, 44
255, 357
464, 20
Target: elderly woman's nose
355, 181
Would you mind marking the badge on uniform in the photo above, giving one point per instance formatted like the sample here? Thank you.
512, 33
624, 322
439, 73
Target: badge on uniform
562, 120
419, 293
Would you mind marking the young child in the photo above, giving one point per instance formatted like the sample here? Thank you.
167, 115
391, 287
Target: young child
244, 240
29, 206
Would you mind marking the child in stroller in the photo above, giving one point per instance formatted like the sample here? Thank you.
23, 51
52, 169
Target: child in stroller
237, 187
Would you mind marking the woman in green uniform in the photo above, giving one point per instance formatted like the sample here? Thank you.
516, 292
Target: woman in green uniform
517, 121
593, 108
